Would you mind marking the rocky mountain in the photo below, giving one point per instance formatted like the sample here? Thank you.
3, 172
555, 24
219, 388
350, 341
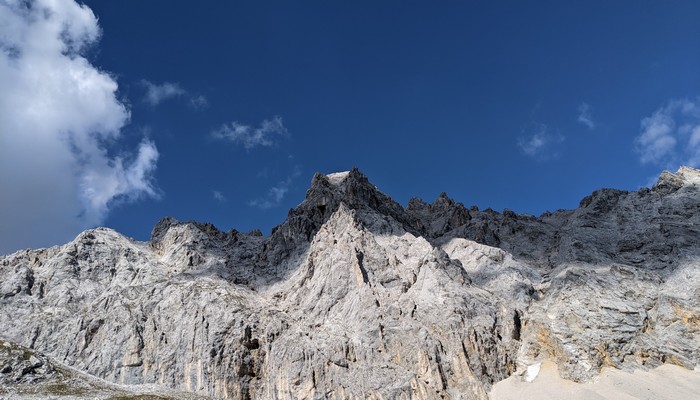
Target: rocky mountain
355, 296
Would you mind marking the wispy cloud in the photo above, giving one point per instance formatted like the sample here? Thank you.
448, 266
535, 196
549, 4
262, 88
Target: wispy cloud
276, 194
265, 135
61, 120
218, 196
585, 117
539, 142
156, 94
199, 102
671, 135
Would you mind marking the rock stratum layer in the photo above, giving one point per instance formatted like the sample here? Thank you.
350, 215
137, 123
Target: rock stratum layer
355, 296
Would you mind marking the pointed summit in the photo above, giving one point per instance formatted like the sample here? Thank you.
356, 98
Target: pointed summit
669, 182
324, 197
351, 188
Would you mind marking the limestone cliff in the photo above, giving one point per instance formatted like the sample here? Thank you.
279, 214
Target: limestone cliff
355, 296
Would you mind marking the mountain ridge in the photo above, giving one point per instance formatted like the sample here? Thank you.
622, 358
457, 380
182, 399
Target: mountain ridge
355, 296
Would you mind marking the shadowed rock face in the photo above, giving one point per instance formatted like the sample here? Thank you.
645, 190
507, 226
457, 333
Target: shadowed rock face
355, 296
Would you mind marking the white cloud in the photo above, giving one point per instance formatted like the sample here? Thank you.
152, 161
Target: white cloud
156, 94
671, 135
585, 117
276, 194
218, 196
199, 102
59, 119
109, 180
265, 135
537, 141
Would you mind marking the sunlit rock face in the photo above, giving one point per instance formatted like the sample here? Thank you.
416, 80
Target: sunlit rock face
355, 296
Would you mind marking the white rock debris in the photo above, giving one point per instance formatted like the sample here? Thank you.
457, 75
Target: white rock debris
531, 372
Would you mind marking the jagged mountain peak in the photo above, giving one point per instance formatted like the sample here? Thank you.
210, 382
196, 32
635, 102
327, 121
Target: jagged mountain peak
351, 187
199, 230
670, 182
325, 195
689, 174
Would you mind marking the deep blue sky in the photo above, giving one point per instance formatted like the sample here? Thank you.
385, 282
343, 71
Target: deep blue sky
423, 97
482, 100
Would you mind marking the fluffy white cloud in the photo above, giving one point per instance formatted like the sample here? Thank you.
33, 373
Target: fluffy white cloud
671, 135
156, 94
59, 119
537, 141
265, 135
109, 180
585, 117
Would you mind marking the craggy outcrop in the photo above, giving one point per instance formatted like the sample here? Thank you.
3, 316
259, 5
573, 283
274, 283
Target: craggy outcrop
355, 296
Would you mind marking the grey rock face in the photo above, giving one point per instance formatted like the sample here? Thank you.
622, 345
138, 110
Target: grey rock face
19, 365
355, 296
615, 281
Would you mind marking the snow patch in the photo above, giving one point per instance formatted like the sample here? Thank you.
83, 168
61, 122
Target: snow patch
337, 177
531, 373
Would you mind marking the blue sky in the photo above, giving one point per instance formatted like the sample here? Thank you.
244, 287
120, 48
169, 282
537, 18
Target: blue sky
120, 113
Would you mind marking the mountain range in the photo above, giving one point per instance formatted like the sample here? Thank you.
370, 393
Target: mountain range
356, 296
